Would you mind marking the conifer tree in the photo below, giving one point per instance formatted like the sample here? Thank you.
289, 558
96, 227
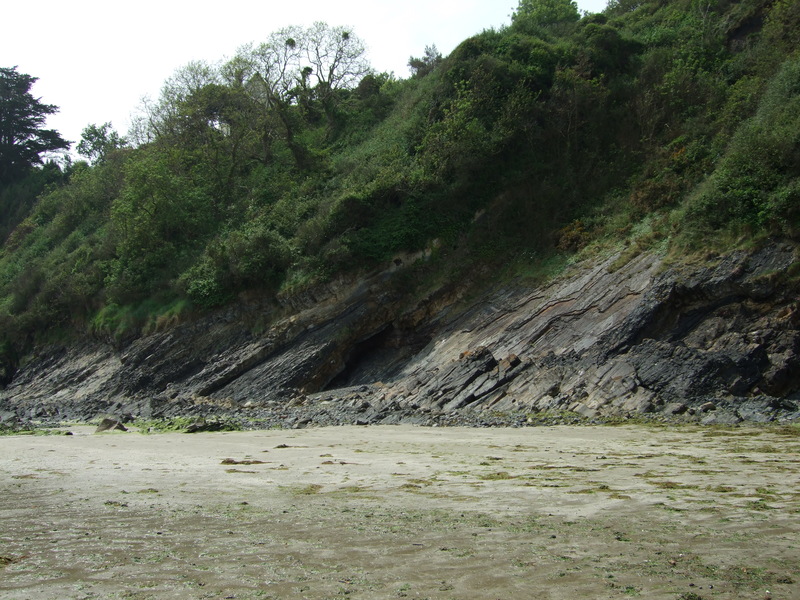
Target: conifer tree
23, 138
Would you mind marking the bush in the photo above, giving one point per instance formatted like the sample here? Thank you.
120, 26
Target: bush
254, 257
756, 182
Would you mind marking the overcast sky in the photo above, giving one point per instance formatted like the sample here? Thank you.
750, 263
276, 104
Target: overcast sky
96, 59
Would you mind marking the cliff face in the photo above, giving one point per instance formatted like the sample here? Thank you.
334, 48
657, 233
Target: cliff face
717, 342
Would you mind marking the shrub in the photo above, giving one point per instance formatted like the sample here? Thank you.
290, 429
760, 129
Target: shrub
756, 182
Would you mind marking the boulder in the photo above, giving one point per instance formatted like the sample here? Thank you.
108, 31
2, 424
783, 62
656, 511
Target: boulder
109, 424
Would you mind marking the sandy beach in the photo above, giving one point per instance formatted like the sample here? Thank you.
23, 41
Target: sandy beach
403, 512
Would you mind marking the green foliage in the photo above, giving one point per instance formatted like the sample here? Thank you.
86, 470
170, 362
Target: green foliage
184, 424
757, 182
669, 122
18, 199
422, 66
161, 217
406, 227
459, 138
782, 24
546, 12
254, 257
97, 142
51, 264
117, 322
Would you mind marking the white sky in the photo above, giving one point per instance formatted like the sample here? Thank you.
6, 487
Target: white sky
96, 59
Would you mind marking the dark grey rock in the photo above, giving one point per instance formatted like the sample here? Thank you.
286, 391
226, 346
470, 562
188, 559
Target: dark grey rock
8, 417
110, 425
643, 340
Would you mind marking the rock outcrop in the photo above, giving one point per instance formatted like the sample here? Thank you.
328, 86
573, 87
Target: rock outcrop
715, 342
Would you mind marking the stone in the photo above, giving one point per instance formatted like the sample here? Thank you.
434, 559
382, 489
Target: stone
675, 408
110, 425
8, 416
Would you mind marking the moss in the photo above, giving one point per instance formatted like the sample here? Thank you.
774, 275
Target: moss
185, 424
499, 476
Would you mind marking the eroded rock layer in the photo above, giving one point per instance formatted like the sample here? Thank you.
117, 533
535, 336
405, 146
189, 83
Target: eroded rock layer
717, 342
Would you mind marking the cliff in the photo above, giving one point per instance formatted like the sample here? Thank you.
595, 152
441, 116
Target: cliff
716, 342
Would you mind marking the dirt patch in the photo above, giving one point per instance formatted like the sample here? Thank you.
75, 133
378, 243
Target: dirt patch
403, 512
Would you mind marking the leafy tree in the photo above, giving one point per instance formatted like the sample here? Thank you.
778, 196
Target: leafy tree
162, 119
23, 139
425, 64
546, 12
97, 141
229, 131
271, 73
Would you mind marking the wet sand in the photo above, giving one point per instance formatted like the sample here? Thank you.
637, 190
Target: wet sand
403, 512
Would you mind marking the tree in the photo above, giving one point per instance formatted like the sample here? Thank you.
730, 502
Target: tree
546, 12
295, 68
23, 140
336, 57
425, 64
296, 60
162, 118
97, 141
271, 74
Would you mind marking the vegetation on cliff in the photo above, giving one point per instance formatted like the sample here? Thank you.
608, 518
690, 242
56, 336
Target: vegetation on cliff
670, 121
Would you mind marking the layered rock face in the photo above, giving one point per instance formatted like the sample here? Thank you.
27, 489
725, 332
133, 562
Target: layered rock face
717, 342
714, 343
